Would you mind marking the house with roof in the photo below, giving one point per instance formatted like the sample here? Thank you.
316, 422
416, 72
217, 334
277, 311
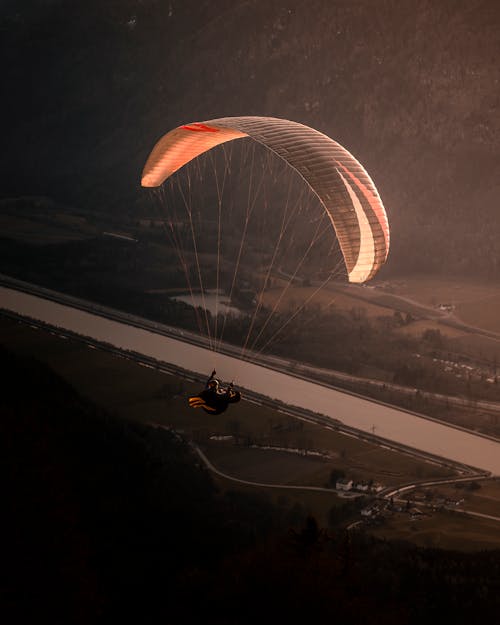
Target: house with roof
362, 487
344, 484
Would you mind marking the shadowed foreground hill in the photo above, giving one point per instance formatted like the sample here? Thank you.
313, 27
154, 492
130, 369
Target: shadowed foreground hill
108, 521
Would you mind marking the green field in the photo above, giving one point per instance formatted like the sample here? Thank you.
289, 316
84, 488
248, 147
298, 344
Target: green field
474, 303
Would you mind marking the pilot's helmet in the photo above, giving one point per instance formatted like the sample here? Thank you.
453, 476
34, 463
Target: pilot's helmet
213, 384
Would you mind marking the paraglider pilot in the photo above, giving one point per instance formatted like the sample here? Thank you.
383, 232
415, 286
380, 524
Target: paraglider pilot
214, 399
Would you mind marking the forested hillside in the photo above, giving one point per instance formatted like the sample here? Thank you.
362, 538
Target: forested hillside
411, 88
108, 521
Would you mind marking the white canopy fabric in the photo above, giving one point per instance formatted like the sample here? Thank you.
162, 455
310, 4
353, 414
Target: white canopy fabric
341, 183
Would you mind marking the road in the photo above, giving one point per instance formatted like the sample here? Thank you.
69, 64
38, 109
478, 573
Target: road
214, 469
387, 496
395, 493
396, 426
391, 301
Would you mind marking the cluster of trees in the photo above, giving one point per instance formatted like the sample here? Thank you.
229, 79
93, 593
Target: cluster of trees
109, 521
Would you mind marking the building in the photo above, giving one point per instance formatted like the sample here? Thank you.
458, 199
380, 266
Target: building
343, 483
361, 487
371, 510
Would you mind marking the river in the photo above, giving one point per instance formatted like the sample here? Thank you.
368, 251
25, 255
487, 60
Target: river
396, 425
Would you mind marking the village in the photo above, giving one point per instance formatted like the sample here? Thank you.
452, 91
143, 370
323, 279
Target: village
421, 504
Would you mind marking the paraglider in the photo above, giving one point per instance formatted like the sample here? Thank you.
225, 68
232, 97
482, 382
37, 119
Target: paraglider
340, 182
214, 399
349, 207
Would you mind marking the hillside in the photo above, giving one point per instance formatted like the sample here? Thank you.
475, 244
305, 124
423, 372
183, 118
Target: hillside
107, 521
411, 88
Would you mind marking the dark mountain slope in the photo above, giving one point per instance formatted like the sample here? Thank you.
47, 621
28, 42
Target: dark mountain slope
412, 88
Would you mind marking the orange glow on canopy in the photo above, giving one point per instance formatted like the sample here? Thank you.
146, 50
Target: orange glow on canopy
350, 198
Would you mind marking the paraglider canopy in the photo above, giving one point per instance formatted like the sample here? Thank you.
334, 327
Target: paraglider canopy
341, 183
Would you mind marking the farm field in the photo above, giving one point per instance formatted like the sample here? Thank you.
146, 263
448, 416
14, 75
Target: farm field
474, 304
485, 499
417, 328
326, 298
444, 530
361, 461
475, 344
45, 229
318, 503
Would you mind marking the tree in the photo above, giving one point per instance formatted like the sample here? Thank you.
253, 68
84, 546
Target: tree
336, 474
